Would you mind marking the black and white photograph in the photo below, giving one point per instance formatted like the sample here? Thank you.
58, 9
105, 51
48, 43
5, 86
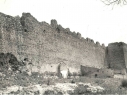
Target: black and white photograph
63, 47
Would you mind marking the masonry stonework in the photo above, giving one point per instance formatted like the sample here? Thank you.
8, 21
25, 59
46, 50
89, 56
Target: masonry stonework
117, 55
47, 45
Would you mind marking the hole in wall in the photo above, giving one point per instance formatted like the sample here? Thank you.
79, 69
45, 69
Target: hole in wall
25, 30
44, 31
25, 59
95, 75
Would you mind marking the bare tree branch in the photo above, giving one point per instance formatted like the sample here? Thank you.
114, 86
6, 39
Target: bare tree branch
115, 2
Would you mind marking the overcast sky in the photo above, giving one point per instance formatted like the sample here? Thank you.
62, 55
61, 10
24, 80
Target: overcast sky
91, 18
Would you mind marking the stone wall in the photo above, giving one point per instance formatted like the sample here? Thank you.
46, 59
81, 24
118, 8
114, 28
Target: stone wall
125, 53
95, 72
47, 45
117, 55
89, 71
104, 73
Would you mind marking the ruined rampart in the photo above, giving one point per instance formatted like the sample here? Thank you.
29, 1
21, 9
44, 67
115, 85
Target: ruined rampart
47, 45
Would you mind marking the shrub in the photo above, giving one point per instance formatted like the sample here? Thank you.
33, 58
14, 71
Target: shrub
124, 83
69, 74
48, 82
8, 59
72, 81
49, 92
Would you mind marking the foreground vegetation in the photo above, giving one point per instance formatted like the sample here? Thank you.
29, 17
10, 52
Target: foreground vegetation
111, 85
12, 76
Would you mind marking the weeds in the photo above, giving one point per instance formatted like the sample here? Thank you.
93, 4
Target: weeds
72, 81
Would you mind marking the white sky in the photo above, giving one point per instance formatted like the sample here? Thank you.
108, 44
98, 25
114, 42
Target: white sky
91, 18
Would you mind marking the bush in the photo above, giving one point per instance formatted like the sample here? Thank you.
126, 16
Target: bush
50, 73
49, 92
124, 83
9, 59
72, 81
69, 74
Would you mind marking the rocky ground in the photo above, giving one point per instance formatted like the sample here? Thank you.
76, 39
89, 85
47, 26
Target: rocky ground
57, 89
38, 84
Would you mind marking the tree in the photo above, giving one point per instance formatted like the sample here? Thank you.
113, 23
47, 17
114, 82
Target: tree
114, 2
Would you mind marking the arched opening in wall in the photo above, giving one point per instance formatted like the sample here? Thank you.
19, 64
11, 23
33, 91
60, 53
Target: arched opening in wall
95, 75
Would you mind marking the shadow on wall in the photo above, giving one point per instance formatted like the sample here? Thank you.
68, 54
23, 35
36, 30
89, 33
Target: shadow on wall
86, 71
97, 73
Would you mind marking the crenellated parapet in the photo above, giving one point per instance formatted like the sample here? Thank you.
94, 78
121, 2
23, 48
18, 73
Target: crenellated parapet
117, 44
103, 45
48, 44
29, 23
97, 43
59, 28
77, 35
88, 40
91, 41
54, 23
44, 23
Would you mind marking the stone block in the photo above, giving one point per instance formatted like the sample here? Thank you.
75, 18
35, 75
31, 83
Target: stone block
54, 23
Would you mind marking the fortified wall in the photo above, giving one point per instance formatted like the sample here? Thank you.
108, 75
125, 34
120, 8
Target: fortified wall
117, 56
47, 45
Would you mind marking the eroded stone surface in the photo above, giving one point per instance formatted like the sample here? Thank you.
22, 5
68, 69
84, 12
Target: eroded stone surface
47, 44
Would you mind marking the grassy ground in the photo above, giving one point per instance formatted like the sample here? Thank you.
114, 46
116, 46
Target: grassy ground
111, 85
